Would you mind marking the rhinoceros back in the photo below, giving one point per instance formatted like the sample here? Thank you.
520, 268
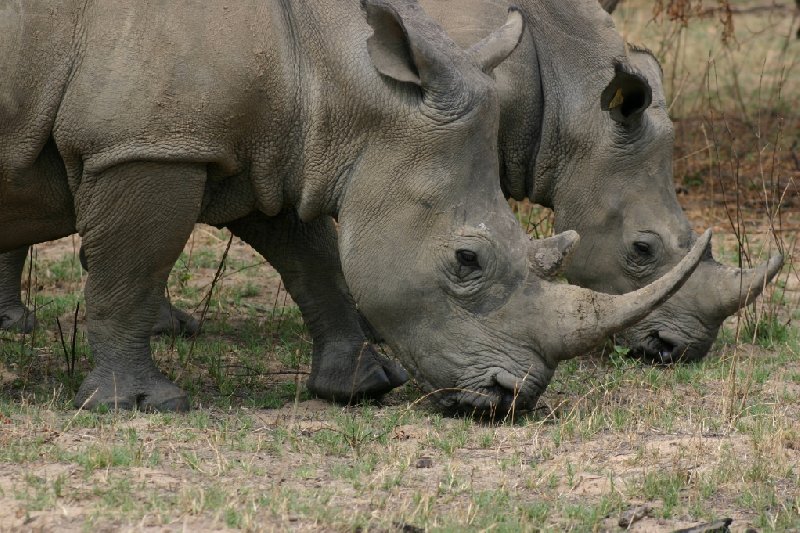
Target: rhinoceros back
265, 93
254, 89
184, 80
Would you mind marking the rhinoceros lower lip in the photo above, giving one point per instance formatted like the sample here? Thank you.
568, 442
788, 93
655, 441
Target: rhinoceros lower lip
495, 393
661, 348
652, 350
494, 401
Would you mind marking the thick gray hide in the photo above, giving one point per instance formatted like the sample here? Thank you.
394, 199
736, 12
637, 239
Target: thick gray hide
129, 124
584, 130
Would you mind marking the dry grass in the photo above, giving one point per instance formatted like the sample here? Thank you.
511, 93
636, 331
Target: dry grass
690, 443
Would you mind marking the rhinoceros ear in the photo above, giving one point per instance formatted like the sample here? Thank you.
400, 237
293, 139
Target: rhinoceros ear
627, 96
389, 46
494, 49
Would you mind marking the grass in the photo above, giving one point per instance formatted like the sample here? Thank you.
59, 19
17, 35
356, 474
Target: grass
242, 468
259, 454
694, 443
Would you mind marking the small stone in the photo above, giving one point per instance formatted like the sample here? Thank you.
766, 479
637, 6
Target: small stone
633, 514
424, 462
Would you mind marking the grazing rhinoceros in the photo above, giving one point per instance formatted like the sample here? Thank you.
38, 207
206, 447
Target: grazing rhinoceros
129, 122
584, 129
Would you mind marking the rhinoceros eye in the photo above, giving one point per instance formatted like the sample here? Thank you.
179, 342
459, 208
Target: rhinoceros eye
642, 248
467, 258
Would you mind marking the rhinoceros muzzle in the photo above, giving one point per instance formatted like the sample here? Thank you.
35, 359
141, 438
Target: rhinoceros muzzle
495, 391
665, 344
673, 348
502, 393
684, 329
664, 347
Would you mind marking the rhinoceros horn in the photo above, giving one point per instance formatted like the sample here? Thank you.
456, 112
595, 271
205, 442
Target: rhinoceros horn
737, 287
578, 319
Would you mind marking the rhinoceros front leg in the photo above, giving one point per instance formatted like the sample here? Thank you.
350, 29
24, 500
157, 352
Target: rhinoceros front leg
14, 315
134, 219
171, 320
344, 366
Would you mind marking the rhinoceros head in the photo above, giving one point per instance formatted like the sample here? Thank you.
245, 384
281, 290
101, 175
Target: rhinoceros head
434, 258
638, 230
604, 163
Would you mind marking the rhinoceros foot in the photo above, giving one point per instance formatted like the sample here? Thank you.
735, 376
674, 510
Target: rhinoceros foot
16, 317
345, 377
175, 322
149, 392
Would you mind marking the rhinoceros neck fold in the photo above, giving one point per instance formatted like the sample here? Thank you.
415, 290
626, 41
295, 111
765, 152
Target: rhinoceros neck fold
331, 107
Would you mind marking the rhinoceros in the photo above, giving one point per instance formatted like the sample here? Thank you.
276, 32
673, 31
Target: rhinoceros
129, 122
584, 130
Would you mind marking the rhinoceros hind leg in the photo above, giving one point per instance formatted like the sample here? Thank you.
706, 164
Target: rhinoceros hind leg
134, 219
17, 318
174, 322
14, 316
344, 365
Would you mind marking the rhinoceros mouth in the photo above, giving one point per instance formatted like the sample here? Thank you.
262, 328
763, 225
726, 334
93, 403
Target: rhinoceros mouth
662, 348
495, 401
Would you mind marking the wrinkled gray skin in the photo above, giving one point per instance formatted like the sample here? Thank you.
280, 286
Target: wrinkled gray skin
128, 125
605, 169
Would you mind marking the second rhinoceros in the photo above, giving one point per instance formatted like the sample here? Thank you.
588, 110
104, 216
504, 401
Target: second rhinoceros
129, 122
584, 129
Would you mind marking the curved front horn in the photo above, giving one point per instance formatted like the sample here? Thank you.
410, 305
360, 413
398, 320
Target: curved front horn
737, 287
583, 318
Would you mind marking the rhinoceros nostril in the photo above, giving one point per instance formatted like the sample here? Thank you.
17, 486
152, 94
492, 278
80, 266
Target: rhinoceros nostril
665, 352
507, 388
655, 349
